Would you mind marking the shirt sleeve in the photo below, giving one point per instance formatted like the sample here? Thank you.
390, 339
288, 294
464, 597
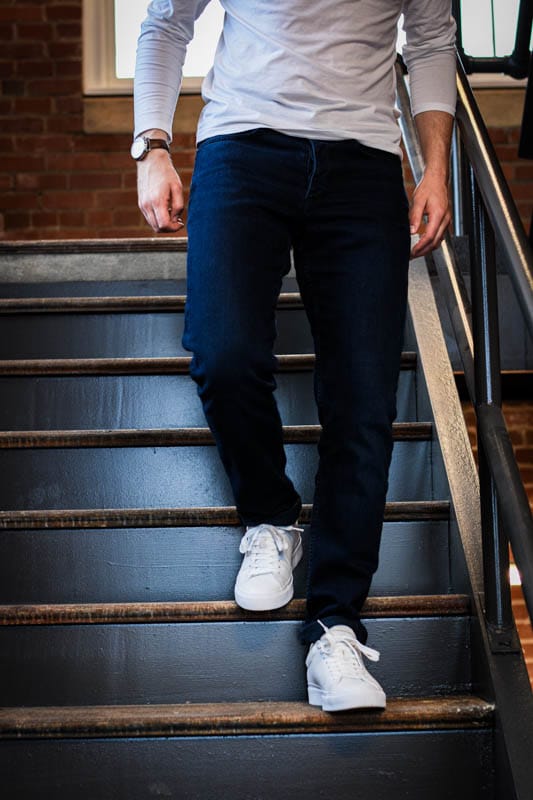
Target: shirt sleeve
429, 54
165, 34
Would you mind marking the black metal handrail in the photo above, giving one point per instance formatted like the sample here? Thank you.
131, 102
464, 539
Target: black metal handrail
516, 64
496, 195
489, 211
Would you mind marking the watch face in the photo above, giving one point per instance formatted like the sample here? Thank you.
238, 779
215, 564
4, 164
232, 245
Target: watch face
138, 148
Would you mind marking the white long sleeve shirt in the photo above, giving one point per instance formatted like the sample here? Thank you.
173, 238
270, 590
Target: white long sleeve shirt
321, 69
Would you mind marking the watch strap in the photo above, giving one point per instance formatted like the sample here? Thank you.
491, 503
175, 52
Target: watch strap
154, 144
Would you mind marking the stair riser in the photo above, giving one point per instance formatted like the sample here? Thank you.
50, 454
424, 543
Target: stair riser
149, 401
97, 262
214, 662
108, 288
133, 477
188, 564
399, 766
125, 288
133, 334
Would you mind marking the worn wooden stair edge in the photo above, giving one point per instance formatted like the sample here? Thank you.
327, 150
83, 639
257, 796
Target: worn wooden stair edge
111, 303
141, 244
217, 611
76, 518
168, 365
174, 437
241, 719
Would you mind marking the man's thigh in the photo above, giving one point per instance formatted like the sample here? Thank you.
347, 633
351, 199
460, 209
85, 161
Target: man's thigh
239, 237
352, 260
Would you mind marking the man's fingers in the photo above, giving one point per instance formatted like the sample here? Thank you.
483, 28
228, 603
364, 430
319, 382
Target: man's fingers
161, 213
162, 218
177, 202
167, 209
166, 221
430, 202
432, 236
436, 211
416, 213
176, 205
149, 216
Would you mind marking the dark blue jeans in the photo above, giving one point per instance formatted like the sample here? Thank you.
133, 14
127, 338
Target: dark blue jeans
342, 207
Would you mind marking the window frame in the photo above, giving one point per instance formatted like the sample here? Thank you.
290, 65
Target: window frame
98, 33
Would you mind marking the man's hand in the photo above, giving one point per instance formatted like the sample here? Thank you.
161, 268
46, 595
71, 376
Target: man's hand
160, 192
430, 201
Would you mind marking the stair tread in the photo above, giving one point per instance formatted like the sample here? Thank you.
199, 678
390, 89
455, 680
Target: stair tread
401, 510
168, 437
174, 365
140, 244
217, 611
110, 303
215, 719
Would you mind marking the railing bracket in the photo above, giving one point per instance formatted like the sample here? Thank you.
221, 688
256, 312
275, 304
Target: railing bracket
503, 640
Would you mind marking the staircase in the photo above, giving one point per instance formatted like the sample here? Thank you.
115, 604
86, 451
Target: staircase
126, 669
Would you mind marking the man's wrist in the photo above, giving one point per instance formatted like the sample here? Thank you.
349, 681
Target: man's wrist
154, 133
143, 145
154, 155
437, 172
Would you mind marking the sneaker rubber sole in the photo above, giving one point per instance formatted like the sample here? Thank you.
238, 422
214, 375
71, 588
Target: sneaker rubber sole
370, 698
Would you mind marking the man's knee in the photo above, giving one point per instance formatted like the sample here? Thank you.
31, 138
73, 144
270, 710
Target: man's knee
231, 368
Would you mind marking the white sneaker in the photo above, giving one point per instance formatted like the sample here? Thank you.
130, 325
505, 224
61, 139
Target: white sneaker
337, 679
270, 552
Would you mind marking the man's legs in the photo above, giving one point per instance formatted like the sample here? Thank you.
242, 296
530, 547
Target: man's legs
239, 245
344, 208
352, 259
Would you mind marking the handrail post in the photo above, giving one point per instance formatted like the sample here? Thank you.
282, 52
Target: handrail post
519, 59
498, 609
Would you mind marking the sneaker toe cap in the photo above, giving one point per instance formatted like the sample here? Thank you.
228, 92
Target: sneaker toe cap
354, 694
259, 585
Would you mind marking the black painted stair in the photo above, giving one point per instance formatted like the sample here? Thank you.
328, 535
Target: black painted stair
253, 750
126, 669
244, 657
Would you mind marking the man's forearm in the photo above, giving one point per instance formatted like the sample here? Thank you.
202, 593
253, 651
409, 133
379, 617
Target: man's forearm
435, 134
430, 199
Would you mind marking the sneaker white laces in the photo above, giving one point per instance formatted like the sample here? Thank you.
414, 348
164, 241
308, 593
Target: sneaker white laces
344, 653
262, 546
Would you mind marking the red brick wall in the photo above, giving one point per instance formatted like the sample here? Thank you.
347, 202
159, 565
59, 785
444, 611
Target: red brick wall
55, 180
519, 419
518, 171
58, 182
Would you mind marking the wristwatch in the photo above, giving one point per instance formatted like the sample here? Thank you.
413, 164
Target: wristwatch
142, 146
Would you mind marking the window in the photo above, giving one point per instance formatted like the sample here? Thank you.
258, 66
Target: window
489, 29
111, 29
489, 26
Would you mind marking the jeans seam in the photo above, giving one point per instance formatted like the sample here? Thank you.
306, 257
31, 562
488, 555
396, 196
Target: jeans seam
311, 167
